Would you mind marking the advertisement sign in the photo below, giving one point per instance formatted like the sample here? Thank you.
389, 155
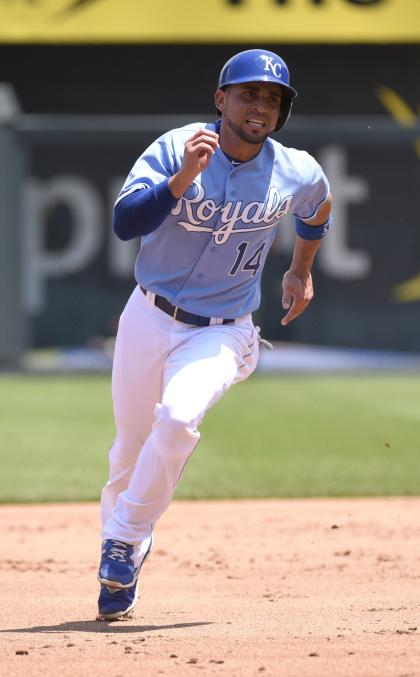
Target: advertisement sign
78, 275
209, 21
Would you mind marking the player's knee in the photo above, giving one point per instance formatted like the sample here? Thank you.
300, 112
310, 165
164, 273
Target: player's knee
126, 447
177, 436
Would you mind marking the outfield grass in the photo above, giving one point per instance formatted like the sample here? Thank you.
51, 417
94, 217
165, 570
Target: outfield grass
277, 435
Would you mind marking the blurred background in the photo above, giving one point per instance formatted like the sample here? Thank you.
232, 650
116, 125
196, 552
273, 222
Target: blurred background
86, 85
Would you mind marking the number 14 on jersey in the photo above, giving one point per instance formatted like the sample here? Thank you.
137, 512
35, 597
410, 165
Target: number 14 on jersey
252, 263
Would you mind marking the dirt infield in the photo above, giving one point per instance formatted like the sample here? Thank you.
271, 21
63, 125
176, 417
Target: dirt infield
293, 588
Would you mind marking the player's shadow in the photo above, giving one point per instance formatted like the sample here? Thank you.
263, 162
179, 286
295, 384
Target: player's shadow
103, 626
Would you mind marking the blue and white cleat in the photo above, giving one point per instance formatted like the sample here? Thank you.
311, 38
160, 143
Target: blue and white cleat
116, 598
114, 603
117, 569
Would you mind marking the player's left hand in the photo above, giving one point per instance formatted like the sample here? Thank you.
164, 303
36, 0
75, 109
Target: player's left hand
298, 292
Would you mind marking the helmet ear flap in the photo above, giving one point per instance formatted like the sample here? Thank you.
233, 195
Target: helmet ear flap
285, 110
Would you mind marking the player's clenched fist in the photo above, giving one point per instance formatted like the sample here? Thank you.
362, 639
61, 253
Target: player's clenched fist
197, 155
199, 149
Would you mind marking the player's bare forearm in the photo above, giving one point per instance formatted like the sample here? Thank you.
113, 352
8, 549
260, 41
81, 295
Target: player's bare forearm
297, 281
179, 182
298, 290
303, 256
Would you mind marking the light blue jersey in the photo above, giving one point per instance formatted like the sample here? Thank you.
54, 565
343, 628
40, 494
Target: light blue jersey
208, 254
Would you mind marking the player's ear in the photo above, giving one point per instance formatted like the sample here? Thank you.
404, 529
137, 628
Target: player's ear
219, 99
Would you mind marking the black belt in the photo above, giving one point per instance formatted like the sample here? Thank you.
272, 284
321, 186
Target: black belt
182, 315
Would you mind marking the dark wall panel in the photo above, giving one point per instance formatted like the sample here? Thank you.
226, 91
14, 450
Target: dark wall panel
333, 79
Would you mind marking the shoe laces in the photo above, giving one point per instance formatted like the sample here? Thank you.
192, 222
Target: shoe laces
118, 551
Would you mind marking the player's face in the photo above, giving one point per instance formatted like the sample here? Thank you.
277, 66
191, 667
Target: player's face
251, 110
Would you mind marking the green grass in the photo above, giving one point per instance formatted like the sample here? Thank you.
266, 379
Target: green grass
288, 435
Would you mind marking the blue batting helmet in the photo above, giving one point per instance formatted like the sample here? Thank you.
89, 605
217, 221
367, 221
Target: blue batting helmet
260, 65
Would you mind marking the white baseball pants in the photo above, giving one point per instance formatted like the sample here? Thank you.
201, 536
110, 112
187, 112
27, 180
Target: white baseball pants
166, 375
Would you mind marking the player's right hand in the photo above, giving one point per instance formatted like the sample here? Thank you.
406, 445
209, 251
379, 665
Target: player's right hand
198, 152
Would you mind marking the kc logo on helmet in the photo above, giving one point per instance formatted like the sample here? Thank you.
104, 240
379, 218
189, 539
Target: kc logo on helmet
269, 65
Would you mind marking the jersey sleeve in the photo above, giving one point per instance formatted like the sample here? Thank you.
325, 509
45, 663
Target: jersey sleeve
153, 167
314, 191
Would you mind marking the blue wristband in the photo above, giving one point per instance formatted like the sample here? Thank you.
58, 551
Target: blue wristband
308, 232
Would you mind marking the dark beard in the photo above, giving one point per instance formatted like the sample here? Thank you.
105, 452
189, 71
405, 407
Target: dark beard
244, 136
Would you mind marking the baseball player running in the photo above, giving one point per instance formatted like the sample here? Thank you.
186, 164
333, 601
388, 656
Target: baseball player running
206, 201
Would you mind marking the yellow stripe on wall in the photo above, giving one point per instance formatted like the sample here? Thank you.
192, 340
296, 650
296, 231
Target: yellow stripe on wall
260, 21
